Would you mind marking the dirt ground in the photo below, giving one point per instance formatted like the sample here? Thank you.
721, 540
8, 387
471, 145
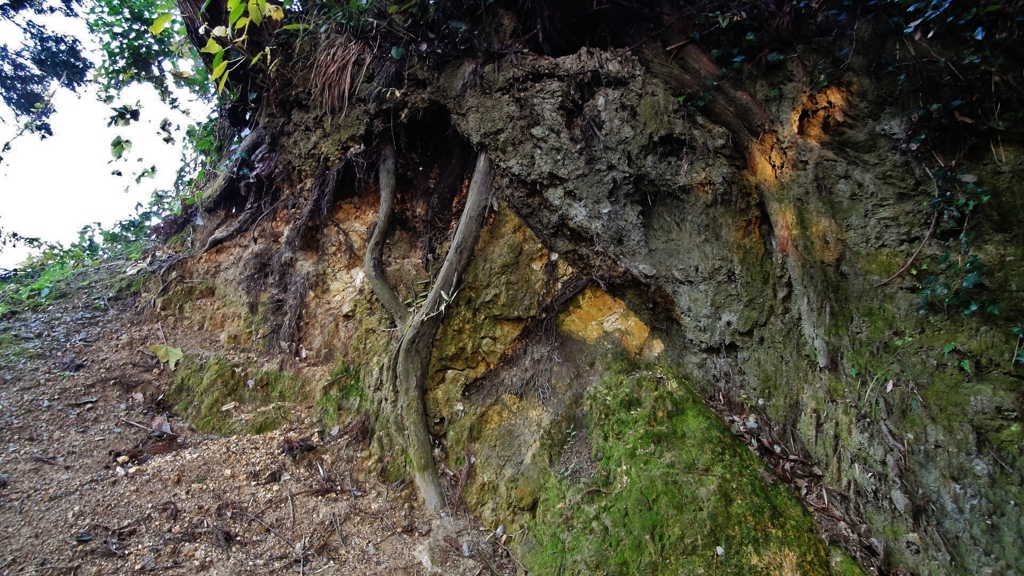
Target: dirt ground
99, 476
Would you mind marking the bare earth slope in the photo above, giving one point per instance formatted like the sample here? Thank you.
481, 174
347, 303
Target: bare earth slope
85, 488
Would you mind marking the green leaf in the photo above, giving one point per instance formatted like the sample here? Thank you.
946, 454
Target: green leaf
236, 13
119, 146
294, 26
971, 279
255, 14
219, 70
165, 353
161, 23
212, 47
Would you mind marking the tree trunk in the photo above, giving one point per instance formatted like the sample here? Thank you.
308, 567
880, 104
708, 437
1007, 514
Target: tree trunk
418, 330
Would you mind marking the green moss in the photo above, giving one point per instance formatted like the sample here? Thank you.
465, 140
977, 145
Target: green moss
13, 350
342, 395
654, 110
673, 484
179, 300
222, 398
371, 342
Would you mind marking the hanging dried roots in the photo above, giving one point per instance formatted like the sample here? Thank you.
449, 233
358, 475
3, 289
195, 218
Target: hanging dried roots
333, 73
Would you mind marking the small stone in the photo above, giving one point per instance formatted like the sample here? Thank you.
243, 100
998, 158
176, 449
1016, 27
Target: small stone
719, 550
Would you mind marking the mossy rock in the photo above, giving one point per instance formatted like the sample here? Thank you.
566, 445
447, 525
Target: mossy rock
675, 493
342, 396
220, 397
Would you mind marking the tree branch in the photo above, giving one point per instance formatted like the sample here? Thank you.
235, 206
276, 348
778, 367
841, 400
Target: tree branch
927, 236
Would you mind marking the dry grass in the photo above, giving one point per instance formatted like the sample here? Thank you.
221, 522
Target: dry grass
336, 62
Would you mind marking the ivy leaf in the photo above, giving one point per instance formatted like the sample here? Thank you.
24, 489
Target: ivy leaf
165, 353
972, 279
161, 23
119, 147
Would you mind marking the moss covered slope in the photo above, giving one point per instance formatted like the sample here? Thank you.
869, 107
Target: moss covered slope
675, 493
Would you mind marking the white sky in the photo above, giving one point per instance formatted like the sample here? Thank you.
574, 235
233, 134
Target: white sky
51, 188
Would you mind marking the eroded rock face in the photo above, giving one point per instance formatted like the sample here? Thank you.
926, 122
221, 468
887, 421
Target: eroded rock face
630, 227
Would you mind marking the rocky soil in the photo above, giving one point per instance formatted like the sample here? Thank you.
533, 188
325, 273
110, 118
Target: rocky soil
98, 475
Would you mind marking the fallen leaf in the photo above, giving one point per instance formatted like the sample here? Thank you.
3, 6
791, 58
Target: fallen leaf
166, 353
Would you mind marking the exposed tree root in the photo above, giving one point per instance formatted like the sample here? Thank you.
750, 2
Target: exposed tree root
373, 264
240, 224
417, 330
227, 179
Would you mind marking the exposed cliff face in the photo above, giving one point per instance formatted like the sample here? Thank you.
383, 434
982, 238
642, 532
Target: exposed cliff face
635, 257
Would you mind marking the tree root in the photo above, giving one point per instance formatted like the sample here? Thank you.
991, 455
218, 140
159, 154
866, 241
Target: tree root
418, 330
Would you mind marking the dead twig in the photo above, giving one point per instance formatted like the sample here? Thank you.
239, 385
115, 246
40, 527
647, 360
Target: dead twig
291, 509
137, 425
494, 571
594, 489
59, 568
927, 236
